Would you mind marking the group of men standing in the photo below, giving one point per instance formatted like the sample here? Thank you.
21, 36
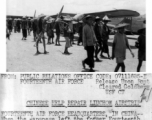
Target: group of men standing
95, 40
93, 34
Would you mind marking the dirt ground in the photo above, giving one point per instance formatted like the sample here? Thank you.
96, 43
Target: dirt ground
21, 57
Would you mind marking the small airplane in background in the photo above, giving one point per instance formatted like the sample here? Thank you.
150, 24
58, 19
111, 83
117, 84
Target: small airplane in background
117, 17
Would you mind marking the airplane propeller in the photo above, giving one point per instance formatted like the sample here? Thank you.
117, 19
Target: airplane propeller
34, 14
58, 16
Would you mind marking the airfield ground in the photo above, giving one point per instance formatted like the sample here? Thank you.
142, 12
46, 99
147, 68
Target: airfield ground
21, 57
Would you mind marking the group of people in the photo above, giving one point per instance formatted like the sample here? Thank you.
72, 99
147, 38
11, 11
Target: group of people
93, 33
95, 39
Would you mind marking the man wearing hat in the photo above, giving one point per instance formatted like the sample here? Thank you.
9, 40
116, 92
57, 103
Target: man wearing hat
58, 32
67, 31
24, 28
34, 27
89, 40
14, 25
120, 44
29, 26
98, 33
40, 31
18, 25
49, 30
141, 45
105, 36
80, 32
10, 25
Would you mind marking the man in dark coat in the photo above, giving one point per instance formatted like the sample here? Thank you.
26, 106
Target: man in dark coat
57, 27
105, 36
29, 26
18, 25
98, 33
141, 45
10, 25
34, 28
80, 33
24, 28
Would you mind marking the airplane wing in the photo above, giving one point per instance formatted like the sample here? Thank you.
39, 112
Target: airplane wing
116, 13
111, 14
64, 14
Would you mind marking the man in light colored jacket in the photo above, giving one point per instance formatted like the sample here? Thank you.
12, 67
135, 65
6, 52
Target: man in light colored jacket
89, 40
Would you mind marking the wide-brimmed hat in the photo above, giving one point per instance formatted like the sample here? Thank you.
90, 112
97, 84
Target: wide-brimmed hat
81, 21
88, 16
105, 18
23, 17
41, 15
68, 18
122, 25
97, 18
29, 18
47, 17
50, 20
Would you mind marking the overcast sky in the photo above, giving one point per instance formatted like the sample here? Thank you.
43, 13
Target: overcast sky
51, 7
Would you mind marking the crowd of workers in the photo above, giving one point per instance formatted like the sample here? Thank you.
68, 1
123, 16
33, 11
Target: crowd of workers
93, 34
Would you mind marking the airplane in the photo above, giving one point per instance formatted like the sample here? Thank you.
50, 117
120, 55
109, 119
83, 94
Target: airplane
117, 16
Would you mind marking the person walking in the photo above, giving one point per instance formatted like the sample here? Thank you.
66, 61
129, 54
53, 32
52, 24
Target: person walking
49, 31
24, 28
29, 26
120, 44
98, 33
141, 45
89, 40
105, 36
57, 27
67, 35
80, 33
40, 32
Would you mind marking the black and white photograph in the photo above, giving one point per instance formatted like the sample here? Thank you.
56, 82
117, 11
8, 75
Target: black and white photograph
76, 35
